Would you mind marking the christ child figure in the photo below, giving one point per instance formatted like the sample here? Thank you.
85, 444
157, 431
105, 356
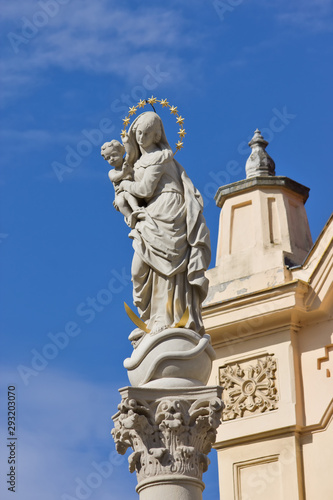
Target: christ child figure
113, 152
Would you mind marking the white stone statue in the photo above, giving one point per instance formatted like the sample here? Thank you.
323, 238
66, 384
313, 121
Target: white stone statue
170, 237
171, 254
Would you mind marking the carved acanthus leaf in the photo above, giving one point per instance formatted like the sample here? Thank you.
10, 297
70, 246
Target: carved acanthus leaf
171, 435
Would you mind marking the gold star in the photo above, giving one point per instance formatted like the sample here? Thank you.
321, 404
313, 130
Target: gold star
164, 102
182, 132
141, 103
132, 110
152, 100
123, 133
179, 145
173, 110
126, 121
180, 120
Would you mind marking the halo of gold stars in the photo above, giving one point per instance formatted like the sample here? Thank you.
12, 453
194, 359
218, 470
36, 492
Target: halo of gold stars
165, 104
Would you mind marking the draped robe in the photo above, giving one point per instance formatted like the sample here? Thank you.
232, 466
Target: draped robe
171, 243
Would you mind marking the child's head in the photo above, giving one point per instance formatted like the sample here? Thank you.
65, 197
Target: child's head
113, 153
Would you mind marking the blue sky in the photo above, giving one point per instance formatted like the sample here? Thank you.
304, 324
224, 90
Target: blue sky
69, 71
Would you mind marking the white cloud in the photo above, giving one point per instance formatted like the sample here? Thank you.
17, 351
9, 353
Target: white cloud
309, 15
102, 37
34, 139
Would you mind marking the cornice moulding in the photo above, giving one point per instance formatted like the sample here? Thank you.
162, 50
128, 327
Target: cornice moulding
275, 305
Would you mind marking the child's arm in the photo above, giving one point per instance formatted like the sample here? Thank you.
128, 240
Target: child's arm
127, 170
129, 149
116, 175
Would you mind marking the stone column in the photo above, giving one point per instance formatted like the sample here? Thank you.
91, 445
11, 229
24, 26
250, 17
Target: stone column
171, 431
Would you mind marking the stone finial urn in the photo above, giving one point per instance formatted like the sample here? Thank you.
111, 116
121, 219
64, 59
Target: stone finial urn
259, 162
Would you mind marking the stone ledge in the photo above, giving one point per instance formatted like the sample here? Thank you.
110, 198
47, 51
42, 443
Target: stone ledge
287, 431
225, 192
150, 394
279, 305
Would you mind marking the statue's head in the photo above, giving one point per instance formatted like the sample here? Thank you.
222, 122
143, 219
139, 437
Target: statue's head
148, 129
113, 153
150, 123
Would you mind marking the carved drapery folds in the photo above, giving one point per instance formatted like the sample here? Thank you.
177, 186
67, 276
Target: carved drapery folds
249, 387
169, 435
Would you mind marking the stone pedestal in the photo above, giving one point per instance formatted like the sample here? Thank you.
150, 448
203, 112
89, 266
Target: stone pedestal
171, 432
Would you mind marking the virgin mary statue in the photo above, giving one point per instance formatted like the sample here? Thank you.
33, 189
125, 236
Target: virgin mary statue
170, 237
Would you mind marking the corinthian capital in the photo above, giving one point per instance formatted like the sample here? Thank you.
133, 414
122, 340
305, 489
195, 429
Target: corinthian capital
170, 431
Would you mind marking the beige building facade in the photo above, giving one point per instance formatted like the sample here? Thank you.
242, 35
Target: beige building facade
269, 313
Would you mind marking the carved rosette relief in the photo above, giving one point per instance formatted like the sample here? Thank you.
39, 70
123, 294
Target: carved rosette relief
169, 436
249, 387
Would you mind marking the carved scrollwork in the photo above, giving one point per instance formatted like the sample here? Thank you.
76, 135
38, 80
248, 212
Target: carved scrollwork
248, 387
169, 436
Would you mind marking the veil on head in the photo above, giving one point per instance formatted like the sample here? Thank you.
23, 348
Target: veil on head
131, 137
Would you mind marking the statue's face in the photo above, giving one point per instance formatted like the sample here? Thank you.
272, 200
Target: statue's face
114, 158
145, 135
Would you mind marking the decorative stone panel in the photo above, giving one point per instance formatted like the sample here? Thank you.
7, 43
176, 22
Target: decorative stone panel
249, 387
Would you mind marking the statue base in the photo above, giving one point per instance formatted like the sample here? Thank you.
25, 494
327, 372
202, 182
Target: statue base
171, 432
174, 357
